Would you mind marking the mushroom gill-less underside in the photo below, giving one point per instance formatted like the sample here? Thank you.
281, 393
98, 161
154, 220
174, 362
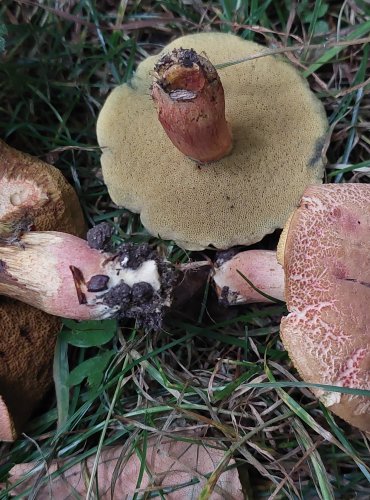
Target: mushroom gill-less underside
278, 129
327, 289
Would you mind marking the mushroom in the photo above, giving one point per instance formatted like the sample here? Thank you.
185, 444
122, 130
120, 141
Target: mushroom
324, 250
191, 105
33, 194
258, 170
7, 429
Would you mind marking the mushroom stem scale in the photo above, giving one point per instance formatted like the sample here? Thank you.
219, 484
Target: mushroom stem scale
258, 267
190, 101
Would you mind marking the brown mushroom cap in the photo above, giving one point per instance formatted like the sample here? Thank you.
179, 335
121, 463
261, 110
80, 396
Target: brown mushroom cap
31, 187
27, 344
327, 289
278, 127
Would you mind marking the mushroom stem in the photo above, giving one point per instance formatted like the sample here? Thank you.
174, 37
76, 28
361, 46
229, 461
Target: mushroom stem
190, 101
60, 274
7, 430
260, 267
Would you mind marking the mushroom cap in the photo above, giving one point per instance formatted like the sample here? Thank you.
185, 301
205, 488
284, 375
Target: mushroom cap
327, 289
278, 128
38, 190
27, 344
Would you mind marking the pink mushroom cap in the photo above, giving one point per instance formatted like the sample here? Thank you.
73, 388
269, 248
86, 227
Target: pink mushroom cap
327, 288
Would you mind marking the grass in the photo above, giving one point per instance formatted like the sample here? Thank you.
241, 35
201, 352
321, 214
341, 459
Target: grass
226, 375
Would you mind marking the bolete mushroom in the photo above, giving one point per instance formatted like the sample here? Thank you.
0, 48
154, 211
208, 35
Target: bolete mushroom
260, 267
324, 250
33, 194
258, 170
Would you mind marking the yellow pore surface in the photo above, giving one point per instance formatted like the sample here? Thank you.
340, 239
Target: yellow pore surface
278, 128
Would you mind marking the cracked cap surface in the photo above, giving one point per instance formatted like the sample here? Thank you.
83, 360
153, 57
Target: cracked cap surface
327, 289
278, 126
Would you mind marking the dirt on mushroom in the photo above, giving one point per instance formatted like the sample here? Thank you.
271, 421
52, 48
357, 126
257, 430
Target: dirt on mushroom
61, 275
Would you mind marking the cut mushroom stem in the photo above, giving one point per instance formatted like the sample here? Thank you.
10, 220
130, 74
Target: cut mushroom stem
60, 274
190, 101
250, 276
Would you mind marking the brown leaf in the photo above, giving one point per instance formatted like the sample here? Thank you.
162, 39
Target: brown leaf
176, 468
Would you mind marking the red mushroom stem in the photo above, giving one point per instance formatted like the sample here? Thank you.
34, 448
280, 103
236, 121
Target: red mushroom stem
190, 101
61, 275
259, 267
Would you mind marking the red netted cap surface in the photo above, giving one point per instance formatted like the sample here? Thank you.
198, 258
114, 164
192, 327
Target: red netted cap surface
327, 270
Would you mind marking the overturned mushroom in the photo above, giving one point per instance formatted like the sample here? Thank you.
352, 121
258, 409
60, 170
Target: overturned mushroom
33, 195
324, 251
271, 126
